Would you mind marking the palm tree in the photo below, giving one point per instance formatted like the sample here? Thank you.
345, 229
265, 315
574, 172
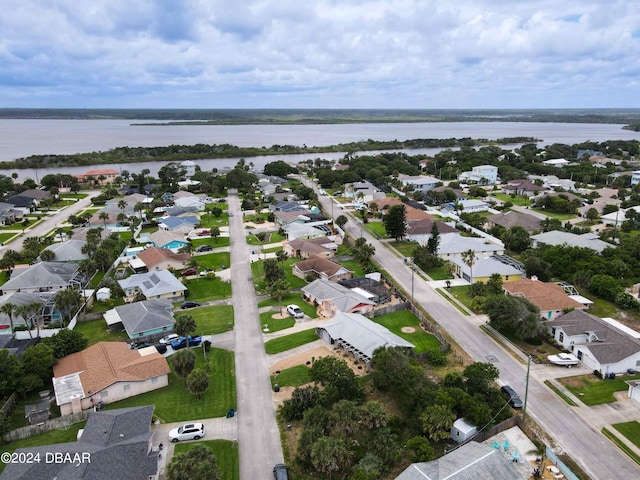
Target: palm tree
122, 205
34, 312
469, 258
139, 207
185, 325
67, 301
8, 309
104, 216
23, 311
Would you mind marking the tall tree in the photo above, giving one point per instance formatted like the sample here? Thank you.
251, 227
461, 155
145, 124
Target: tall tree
185, 325
68, 301
197, 382
395, 222
8, 309
197, 463
469, 259
66, 342
437, 421
330, 455
104, 216
341, 220
278, 290
183, 361
434, 240
215, 233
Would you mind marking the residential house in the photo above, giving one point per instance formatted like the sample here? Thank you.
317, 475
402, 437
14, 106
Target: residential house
153, 258
419, 183
634, 390
551, 182
635, 177
47, 313
358, 336
67, 251
188, 183
331, 298
141, 319
113, 444
472, 460
178, 211
363, 192
178, 224
556, 162
190, 202
466, 206
106, 372
550, 298
320, 267
306, 231
9, 215
484, 267
189, 168
420, 230
44, 277
24, 205
153, 285
304, 248
511, 218
522, 187
452, 245
102, 176
481, 174
167, 239
586, 240
36, 194
288, 207
602, 345
370, 288
287, 218
590, 153
616, 218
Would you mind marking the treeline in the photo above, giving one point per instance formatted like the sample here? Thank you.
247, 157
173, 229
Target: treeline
204, 151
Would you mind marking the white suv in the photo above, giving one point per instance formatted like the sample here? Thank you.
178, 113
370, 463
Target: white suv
190, 431
295, 311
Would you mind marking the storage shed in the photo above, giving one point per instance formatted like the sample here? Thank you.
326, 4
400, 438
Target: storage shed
461, 431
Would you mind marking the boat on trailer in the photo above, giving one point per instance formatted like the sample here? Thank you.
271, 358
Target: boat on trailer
565, 359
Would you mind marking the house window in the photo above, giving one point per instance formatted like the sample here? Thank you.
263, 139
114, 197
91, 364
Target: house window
553, 332
579, 354
506, 278
164, 328
104, 394
127, 387
140, 334
561, 337
154, 380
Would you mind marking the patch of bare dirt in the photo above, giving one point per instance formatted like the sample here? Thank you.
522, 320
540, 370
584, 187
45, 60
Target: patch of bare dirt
408, 330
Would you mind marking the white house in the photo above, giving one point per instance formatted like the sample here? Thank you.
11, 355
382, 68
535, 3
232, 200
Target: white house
635, 177
600, 344
452, 245
482, 174
420, 183
189, 168
556, 162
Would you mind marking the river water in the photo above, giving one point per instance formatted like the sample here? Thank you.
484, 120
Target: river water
25, 137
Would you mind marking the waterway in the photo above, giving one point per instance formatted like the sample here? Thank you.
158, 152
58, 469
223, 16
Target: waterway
25, 137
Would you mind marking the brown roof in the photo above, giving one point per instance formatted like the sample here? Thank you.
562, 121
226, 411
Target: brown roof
546, 296
152, 256
320, 265
389, 201
515, 219
411, 213
105, 363
101, 171
424, 226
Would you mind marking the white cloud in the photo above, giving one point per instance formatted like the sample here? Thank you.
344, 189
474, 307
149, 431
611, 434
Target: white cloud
327, 53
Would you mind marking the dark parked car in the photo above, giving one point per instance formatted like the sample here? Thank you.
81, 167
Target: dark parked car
514, 399
138, 346
189, 304
189, 271
161, 347
182, 342
280, 472
204, 248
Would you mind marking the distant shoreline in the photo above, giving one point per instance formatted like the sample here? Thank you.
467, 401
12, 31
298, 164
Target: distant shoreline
187, 117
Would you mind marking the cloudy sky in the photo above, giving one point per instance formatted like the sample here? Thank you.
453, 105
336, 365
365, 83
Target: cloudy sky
320, 53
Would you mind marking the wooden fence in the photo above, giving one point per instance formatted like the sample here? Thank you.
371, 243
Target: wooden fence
53, 424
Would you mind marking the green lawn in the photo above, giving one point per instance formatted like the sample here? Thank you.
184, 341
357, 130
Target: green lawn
594, 391
631, 430
47, 438
174, 403
461, 294
100, 306
207, 222
211, 320
272, 237
258, 275
405, 248
214, 261
215, 243
288, 342
275, 324
76, 196
520, 201
6, 236
354, 266
292, 377
422, 340
208, 290
377, 228
439, 273
226, 453
294, 298
560, 216
96, 331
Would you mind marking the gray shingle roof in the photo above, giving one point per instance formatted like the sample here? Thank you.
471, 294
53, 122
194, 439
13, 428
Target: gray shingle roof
586, 240
117, 442
613, 346
152, 284
68, 251
43, 274
362, 334
471, 461
453, 243
139, 317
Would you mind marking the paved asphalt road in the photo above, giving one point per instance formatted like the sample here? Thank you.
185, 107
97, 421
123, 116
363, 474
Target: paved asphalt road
595, 454
258, 435
51, 222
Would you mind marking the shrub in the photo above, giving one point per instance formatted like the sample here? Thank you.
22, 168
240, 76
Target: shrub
533, 341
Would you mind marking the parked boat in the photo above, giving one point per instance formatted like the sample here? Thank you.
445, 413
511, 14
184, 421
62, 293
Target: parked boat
563, 359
